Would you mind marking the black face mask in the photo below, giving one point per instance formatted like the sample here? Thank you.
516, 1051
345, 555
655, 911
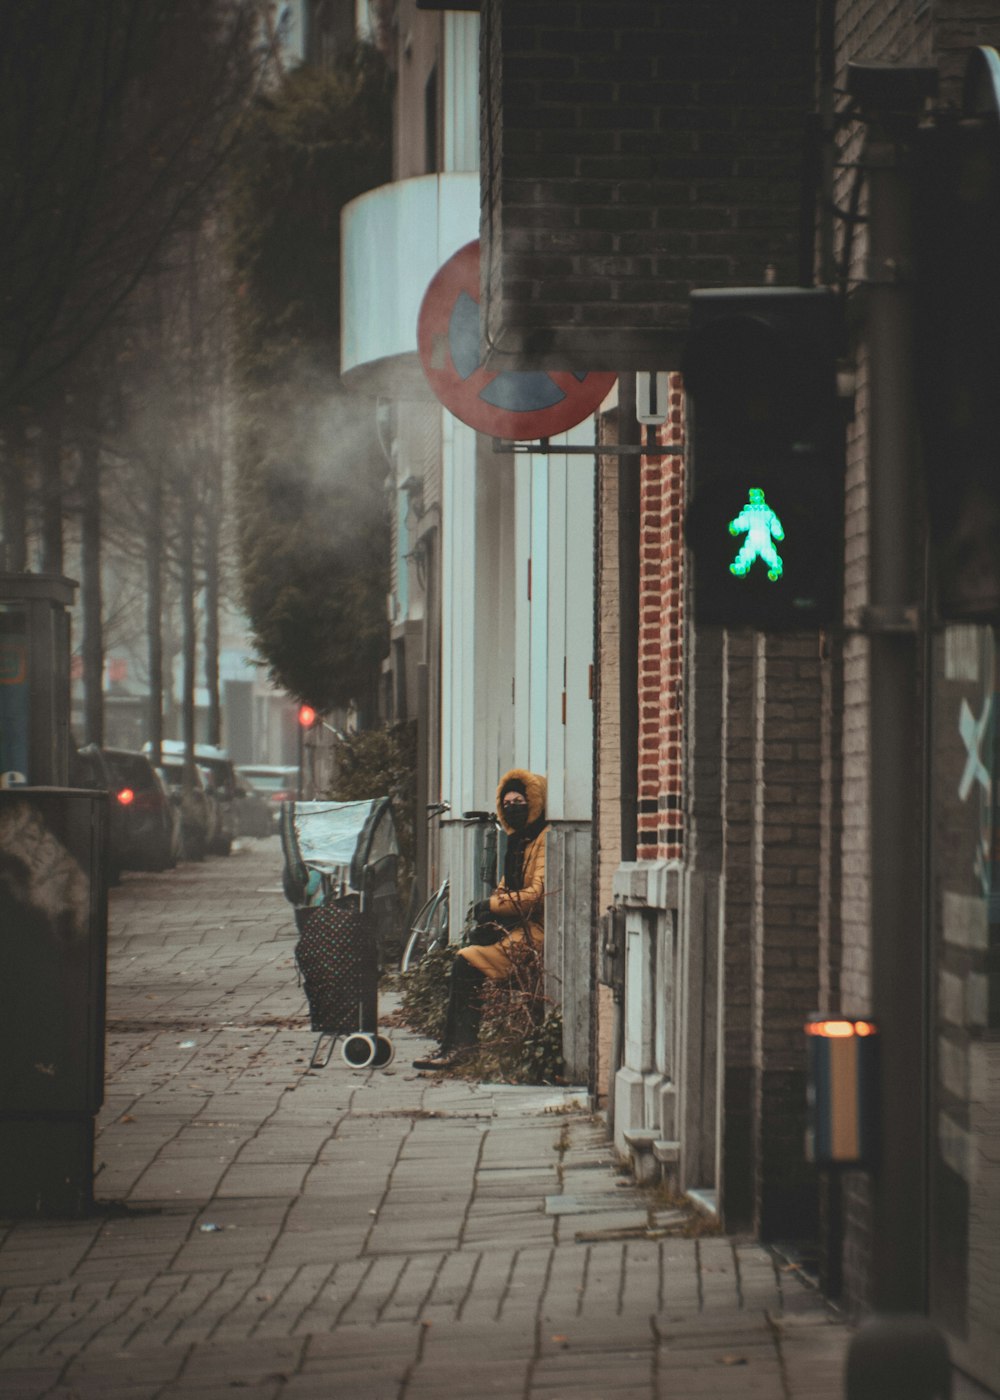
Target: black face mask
516, 815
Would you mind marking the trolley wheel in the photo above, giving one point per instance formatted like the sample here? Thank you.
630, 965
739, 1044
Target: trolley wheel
385, 1052
358, 1050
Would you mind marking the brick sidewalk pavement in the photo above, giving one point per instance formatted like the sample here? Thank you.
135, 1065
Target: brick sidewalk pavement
285, 1233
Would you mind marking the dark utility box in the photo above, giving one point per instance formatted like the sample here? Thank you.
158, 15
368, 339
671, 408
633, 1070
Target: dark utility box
53, 958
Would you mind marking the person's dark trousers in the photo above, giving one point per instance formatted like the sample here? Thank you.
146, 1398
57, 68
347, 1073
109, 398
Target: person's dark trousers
465, 1006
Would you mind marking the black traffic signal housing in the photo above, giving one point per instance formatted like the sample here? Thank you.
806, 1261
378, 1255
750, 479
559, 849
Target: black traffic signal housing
765, 515
956, 222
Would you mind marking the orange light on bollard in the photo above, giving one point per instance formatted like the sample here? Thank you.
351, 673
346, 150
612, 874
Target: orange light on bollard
839, 1029
842, 1090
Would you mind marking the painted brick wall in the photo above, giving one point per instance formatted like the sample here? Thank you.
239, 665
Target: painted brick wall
738, 732
784, 922
631, 151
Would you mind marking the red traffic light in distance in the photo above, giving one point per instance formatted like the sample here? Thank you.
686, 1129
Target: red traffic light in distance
307, 716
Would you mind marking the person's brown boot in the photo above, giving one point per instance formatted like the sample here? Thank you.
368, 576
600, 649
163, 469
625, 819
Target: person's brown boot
441, 1059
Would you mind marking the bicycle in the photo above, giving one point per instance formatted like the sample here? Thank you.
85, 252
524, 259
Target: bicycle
429, 930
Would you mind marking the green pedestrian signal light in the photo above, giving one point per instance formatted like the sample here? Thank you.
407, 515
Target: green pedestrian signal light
766, 458
762, 527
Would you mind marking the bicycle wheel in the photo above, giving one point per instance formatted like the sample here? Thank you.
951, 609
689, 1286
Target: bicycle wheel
429, 931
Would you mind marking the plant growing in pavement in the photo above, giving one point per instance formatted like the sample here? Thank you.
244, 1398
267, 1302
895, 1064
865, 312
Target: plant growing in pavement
425, 994
520, 1037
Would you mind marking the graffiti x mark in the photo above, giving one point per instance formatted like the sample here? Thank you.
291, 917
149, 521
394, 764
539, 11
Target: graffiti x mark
972, 731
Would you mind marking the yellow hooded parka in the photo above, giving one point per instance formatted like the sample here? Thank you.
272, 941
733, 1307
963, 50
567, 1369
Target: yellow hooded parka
526, 904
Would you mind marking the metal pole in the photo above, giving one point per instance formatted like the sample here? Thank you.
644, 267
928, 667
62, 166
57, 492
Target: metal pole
423, 797
899, 991
629, 495
898, 1358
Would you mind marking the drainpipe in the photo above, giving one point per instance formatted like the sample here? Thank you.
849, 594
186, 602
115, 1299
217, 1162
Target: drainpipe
629, 475
827, 75
893, 626
422, 782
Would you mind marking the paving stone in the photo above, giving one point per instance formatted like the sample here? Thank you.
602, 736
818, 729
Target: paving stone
217, 1306
250, 1361
196, 1390
521, 1230
418, 1237
379, 1228
147, 1370
27, 1383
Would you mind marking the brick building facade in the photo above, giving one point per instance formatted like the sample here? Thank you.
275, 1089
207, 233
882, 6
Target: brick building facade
629, 154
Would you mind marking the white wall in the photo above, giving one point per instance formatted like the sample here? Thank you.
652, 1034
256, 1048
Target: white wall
459, 648
554, 511
386, 268
460, 91
517, 621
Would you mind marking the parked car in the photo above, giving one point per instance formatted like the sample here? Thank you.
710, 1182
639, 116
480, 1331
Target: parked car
89, 768
220, 783
213, 838
148, 828
253, 811
176, 829
192, 802
278, 784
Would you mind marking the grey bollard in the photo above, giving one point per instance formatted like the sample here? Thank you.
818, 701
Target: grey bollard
901, 1357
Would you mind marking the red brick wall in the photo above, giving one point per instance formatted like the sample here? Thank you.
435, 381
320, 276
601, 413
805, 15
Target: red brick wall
661, 604
607, 730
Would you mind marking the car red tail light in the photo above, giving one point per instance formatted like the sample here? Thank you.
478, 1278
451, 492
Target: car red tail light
125, 796
282, 796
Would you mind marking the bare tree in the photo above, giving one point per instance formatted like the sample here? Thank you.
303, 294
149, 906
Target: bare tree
91, 585
14, 516
165, 503
116, 117
50, 459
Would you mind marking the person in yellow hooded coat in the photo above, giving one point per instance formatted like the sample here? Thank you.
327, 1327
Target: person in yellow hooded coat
515, 911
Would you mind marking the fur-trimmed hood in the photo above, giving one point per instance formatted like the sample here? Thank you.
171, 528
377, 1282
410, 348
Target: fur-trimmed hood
534, 791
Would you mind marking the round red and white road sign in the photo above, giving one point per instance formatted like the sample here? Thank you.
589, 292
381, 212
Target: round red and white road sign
516, 404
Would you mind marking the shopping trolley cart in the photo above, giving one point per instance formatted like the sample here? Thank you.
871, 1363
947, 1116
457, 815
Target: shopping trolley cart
340, 874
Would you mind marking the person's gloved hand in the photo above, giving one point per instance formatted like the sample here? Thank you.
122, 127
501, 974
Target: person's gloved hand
482, 911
